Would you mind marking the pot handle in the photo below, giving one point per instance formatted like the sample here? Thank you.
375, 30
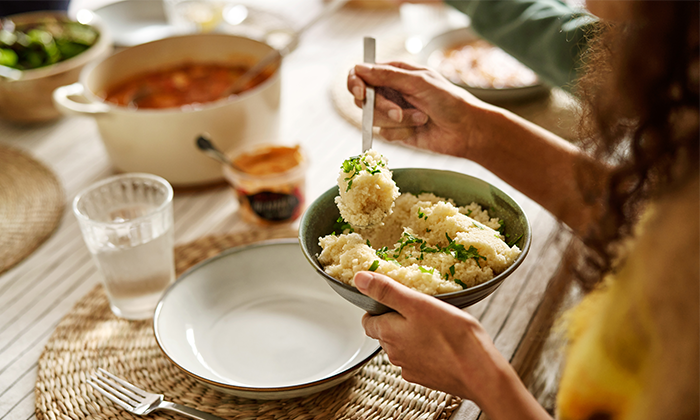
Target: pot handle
63, 99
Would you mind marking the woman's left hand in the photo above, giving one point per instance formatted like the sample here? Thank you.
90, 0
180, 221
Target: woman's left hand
434, 343
441, 347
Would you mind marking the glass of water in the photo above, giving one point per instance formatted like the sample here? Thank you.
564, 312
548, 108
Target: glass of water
127, 224
194, 16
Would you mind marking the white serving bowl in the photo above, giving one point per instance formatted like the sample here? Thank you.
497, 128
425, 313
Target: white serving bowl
162, 141
255, 322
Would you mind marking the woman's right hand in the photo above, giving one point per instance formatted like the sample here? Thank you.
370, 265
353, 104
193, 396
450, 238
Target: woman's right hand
434, 114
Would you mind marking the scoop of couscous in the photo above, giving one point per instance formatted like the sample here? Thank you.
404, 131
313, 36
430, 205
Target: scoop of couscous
427, 243
367, 191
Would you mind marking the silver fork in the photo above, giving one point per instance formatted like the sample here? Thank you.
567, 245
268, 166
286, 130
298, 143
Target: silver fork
137, 401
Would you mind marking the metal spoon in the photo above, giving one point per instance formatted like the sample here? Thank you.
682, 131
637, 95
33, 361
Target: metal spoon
275, 56
206, 146
368, 105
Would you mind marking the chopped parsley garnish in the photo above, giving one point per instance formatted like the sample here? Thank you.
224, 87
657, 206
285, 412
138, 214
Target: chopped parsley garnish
461, 283
369, 244
374, 265
462, 254
341, 226
423, 270
421, 215
406, 239
502, 227
514, 241
452, 270
425, 248
352, 166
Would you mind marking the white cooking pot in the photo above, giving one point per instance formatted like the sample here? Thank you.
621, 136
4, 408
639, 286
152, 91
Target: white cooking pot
162, 141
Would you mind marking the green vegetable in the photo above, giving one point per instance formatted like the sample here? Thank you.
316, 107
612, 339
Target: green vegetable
462, 254
43, 43
423, 270
354, 165
461, 283
514, 241
502, 227
382, 253
374, 265
341, 226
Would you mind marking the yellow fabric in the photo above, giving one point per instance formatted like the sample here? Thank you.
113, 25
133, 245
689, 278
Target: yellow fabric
634, 343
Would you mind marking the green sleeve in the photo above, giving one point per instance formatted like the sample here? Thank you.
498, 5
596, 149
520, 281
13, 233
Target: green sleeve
546, 35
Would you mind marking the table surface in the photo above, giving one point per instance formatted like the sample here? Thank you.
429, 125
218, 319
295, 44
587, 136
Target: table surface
39, 291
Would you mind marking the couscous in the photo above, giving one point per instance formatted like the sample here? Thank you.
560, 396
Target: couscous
367, 191
427, 243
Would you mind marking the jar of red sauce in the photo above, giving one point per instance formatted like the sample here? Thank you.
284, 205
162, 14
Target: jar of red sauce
269, 182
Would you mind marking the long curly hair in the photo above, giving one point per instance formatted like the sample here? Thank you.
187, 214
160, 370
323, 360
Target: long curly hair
640, 94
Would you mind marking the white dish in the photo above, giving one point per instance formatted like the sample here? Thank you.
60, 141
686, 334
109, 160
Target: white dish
134, 22
256, 322
459, 36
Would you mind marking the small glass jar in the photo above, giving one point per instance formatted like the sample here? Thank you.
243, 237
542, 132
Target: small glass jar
269, 182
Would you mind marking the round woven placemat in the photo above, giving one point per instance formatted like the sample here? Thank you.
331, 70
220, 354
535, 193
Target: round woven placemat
90, 336
31, 205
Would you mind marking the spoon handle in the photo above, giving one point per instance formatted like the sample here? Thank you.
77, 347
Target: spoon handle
368, 105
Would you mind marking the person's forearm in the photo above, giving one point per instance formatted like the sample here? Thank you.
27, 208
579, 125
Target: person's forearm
509, 399
543, 166
546, 35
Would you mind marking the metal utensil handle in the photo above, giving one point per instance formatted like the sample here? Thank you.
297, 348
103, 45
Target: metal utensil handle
368, 105
327, 11
275, 56
187, 411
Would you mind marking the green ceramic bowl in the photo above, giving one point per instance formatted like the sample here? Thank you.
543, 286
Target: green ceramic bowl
320, 216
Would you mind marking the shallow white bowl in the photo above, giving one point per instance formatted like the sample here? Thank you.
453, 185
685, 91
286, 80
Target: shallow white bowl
133, 22
255, 322
459, 36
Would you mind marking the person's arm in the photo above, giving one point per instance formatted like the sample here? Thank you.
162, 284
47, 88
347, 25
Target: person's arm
546, 35
447, 119
444, 348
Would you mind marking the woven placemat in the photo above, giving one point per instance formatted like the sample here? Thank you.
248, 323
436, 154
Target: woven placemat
31, 205
90, 336
557, 112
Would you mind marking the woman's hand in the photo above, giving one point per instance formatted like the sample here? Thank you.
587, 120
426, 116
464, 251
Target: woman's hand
418, 106
429, 112
441, 347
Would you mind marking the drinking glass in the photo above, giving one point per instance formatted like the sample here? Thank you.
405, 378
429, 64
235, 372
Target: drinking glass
127, 224
194, 16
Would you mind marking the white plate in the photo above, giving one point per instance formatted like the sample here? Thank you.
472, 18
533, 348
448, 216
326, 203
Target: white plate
134, 22
458, 36
257, 322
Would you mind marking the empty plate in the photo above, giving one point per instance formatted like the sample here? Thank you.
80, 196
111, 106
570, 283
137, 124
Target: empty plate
256, 322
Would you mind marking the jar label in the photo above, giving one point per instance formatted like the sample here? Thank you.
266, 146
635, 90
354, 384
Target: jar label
274, 206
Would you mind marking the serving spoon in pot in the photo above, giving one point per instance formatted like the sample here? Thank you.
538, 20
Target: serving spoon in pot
274, 57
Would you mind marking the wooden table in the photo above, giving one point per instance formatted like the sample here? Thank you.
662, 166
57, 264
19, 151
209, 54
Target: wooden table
39, 291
